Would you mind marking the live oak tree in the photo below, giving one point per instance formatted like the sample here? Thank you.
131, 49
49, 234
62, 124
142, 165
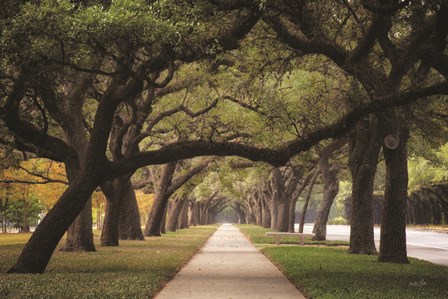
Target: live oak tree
133, 124
120, 87
166, 185
330, 177
157, 35
181, 213
309, 27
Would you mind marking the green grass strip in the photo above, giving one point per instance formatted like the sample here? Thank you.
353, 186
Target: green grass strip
328, 272
135, 269
257, 236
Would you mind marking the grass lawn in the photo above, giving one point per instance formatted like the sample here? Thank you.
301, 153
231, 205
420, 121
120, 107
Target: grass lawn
135, 269
329, 272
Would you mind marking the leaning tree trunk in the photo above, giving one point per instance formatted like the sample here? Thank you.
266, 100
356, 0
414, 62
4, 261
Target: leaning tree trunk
158, 209
293, 201
37, 252
129, 226
155, 219
393, 227
363, 159
331, 189
307, 200
79, 234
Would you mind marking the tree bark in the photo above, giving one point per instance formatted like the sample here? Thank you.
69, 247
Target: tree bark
37, 252
274, 213
194, 212
307, 200
163, 222
251, 210
331, 189
259, 215
393, 228
109, 232
266, 219
114, 198
200, 209
166, 187
183, 220
174, 214
129, 226
79, 234
293, 202
284, 185
364, 151
153, 225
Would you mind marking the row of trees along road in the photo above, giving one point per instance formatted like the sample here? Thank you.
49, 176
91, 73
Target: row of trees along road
84, 82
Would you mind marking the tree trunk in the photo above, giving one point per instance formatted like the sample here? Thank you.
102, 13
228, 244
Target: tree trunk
251, 210
155, 218
207, 215
393, 228
158, 209
266, 220
259, 211
363, 159
307, 200
183, 217
293, 202
37, 252
200, 207
282, 200
194, 212
79, 234
114, 192
174, 214
331, 186
283, 215
239, 212
331, 189
163, 223
109, 232
129, 225
274, 213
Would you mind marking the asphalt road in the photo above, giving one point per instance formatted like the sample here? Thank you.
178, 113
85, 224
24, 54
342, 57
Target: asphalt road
425, 245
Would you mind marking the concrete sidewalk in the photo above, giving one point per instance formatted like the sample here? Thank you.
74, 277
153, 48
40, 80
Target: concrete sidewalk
229, 267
